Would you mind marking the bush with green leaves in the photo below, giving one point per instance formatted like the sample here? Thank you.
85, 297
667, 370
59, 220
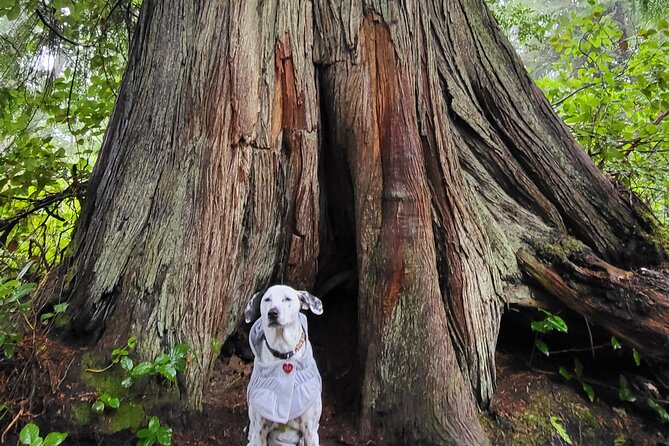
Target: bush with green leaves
606, 73
61, 63
165, 366
611, 86
30, 436
554, 323
154, 433
14, 311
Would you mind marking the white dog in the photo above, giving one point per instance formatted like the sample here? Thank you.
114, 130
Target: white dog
284, 394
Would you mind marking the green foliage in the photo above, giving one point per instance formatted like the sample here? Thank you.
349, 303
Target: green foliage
578, 376
610, 85
61, 65
29, 435
625, 392
166, 365
556, 422
105, 400
661, 412
14, 311
606, 72
549, 323
153, 433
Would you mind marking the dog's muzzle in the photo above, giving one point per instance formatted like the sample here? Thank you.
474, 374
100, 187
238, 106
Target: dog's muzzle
273, 316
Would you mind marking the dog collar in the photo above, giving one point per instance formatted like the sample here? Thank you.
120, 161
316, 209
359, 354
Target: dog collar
277, 354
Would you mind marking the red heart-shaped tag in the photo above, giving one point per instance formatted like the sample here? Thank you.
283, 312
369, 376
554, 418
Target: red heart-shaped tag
287, 368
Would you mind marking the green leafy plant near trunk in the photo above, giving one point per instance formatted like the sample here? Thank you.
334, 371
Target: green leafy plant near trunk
30, 436
164, 368
552, 322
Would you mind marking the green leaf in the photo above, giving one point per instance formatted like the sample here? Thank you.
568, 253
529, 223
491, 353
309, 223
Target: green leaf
180, 350
8, 350
664, 416
162, 359
54, 439
126, 363
132, 342
114, 402
23, 291
565, 373
25, 269
144, 433
148, 441
542, 347
60, 308
120, 352
556, 422
127, 382
216, 347
625, 392
589, 391
164, 436
540, 327
154, 424
614, 343
14, 13
578, 368
29, 434
142, 369
637, 357
98, 406
169, 372
110, 401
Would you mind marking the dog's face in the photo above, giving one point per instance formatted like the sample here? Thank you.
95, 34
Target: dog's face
280, 304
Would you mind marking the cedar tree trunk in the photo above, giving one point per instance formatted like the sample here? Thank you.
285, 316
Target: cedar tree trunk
252, 141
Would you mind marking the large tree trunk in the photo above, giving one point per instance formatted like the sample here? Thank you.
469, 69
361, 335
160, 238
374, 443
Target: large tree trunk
252, 143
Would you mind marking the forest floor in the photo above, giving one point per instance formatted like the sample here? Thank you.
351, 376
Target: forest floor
526, 400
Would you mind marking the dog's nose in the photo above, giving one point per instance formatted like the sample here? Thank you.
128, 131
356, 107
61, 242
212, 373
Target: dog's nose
273, 313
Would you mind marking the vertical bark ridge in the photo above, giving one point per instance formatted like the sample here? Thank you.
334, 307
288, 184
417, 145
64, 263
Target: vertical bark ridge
534, 136
413, 388
470, 279
229, 191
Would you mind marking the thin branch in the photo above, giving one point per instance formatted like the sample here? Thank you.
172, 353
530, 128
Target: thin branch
579, 89
661, 117
56, 32
75, 190
69, 95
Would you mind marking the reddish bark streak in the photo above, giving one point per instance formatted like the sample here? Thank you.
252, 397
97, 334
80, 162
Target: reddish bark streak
293, 110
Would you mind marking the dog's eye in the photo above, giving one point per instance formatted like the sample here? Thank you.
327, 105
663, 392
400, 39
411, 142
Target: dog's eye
287, 299
267, 299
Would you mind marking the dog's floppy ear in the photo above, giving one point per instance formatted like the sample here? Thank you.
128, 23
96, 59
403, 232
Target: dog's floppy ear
310, 302
252, 308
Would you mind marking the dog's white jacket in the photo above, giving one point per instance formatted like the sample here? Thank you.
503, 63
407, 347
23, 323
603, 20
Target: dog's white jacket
279, 396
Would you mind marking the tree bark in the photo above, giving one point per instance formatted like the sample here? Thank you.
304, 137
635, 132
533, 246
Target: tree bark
252, 142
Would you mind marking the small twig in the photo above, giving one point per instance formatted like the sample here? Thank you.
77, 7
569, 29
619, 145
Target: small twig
16, 418
99, 370
69, 95
576, 350
579, 89
592, 346
662, 115
73, 190
60, 381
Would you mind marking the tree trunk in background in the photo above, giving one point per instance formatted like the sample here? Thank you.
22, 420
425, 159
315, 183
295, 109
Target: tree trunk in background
442, 163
